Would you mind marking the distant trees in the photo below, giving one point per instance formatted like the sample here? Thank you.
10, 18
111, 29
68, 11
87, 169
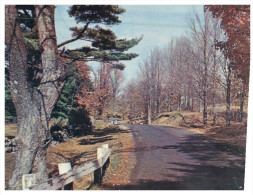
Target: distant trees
102, 92
235, 21
37, 70
200, 69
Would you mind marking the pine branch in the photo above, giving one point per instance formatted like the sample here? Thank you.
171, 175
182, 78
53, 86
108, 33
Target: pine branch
76, 38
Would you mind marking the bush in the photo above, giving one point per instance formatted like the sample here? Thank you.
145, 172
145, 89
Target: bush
59, 130
79, 122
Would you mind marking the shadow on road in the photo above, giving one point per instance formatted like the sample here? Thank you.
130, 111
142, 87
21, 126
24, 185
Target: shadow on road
218, 166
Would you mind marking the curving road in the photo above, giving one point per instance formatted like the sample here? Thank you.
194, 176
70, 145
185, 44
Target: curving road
176, 159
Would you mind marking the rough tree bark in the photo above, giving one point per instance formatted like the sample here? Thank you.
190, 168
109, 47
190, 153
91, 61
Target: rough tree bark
33, 106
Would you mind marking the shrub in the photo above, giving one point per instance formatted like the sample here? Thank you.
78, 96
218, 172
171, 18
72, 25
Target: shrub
79, 122
59, 130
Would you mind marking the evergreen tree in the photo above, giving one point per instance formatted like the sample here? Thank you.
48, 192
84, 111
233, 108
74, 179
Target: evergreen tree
64, 105
104, 44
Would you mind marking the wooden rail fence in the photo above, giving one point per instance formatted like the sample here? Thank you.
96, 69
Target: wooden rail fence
58, 182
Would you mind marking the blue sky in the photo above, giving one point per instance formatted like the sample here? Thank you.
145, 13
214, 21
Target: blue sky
157, 23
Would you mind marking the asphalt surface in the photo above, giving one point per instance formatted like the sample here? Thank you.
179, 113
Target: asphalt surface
176, 159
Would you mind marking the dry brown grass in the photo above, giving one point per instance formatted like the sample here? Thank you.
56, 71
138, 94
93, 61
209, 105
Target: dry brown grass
81, 150
234, 135
9, 166
11, 129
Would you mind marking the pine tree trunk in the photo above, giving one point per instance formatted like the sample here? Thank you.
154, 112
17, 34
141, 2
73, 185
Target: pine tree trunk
32, 140
33, 106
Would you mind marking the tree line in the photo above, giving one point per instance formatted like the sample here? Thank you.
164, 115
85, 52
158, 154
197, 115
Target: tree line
206, 67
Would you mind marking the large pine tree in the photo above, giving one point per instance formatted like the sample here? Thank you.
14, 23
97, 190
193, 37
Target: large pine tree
38, 70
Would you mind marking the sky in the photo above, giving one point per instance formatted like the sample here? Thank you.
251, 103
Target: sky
157, 23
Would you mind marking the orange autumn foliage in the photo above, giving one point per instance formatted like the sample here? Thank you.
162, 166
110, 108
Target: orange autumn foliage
235, 21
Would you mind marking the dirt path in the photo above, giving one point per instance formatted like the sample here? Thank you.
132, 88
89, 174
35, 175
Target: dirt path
174, 159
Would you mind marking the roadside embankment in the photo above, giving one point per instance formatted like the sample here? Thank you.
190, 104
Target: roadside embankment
233, 136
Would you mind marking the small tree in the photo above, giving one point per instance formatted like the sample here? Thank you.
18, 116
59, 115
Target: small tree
100, 95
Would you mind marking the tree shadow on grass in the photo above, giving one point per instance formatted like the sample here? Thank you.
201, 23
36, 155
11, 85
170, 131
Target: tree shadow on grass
110, 131
98, 136
75, 161
92, 141
102, 135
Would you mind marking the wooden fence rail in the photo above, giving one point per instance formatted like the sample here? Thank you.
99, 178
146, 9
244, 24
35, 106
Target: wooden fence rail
61, 180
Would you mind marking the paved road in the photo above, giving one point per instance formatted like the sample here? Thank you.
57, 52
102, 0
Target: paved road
175, 159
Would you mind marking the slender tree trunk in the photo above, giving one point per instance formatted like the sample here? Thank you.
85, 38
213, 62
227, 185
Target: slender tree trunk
213, 109
170, 102
204, 109
205, 84
179, 102
228, 89
192, 107
241, 106
200, 105
157, 107
188, 102
214, 85
149, 112
33, 106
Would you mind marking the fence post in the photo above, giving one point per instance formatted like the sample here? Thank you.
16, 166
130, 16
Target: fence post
28, 180
98, 172
106, 148
64, 168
